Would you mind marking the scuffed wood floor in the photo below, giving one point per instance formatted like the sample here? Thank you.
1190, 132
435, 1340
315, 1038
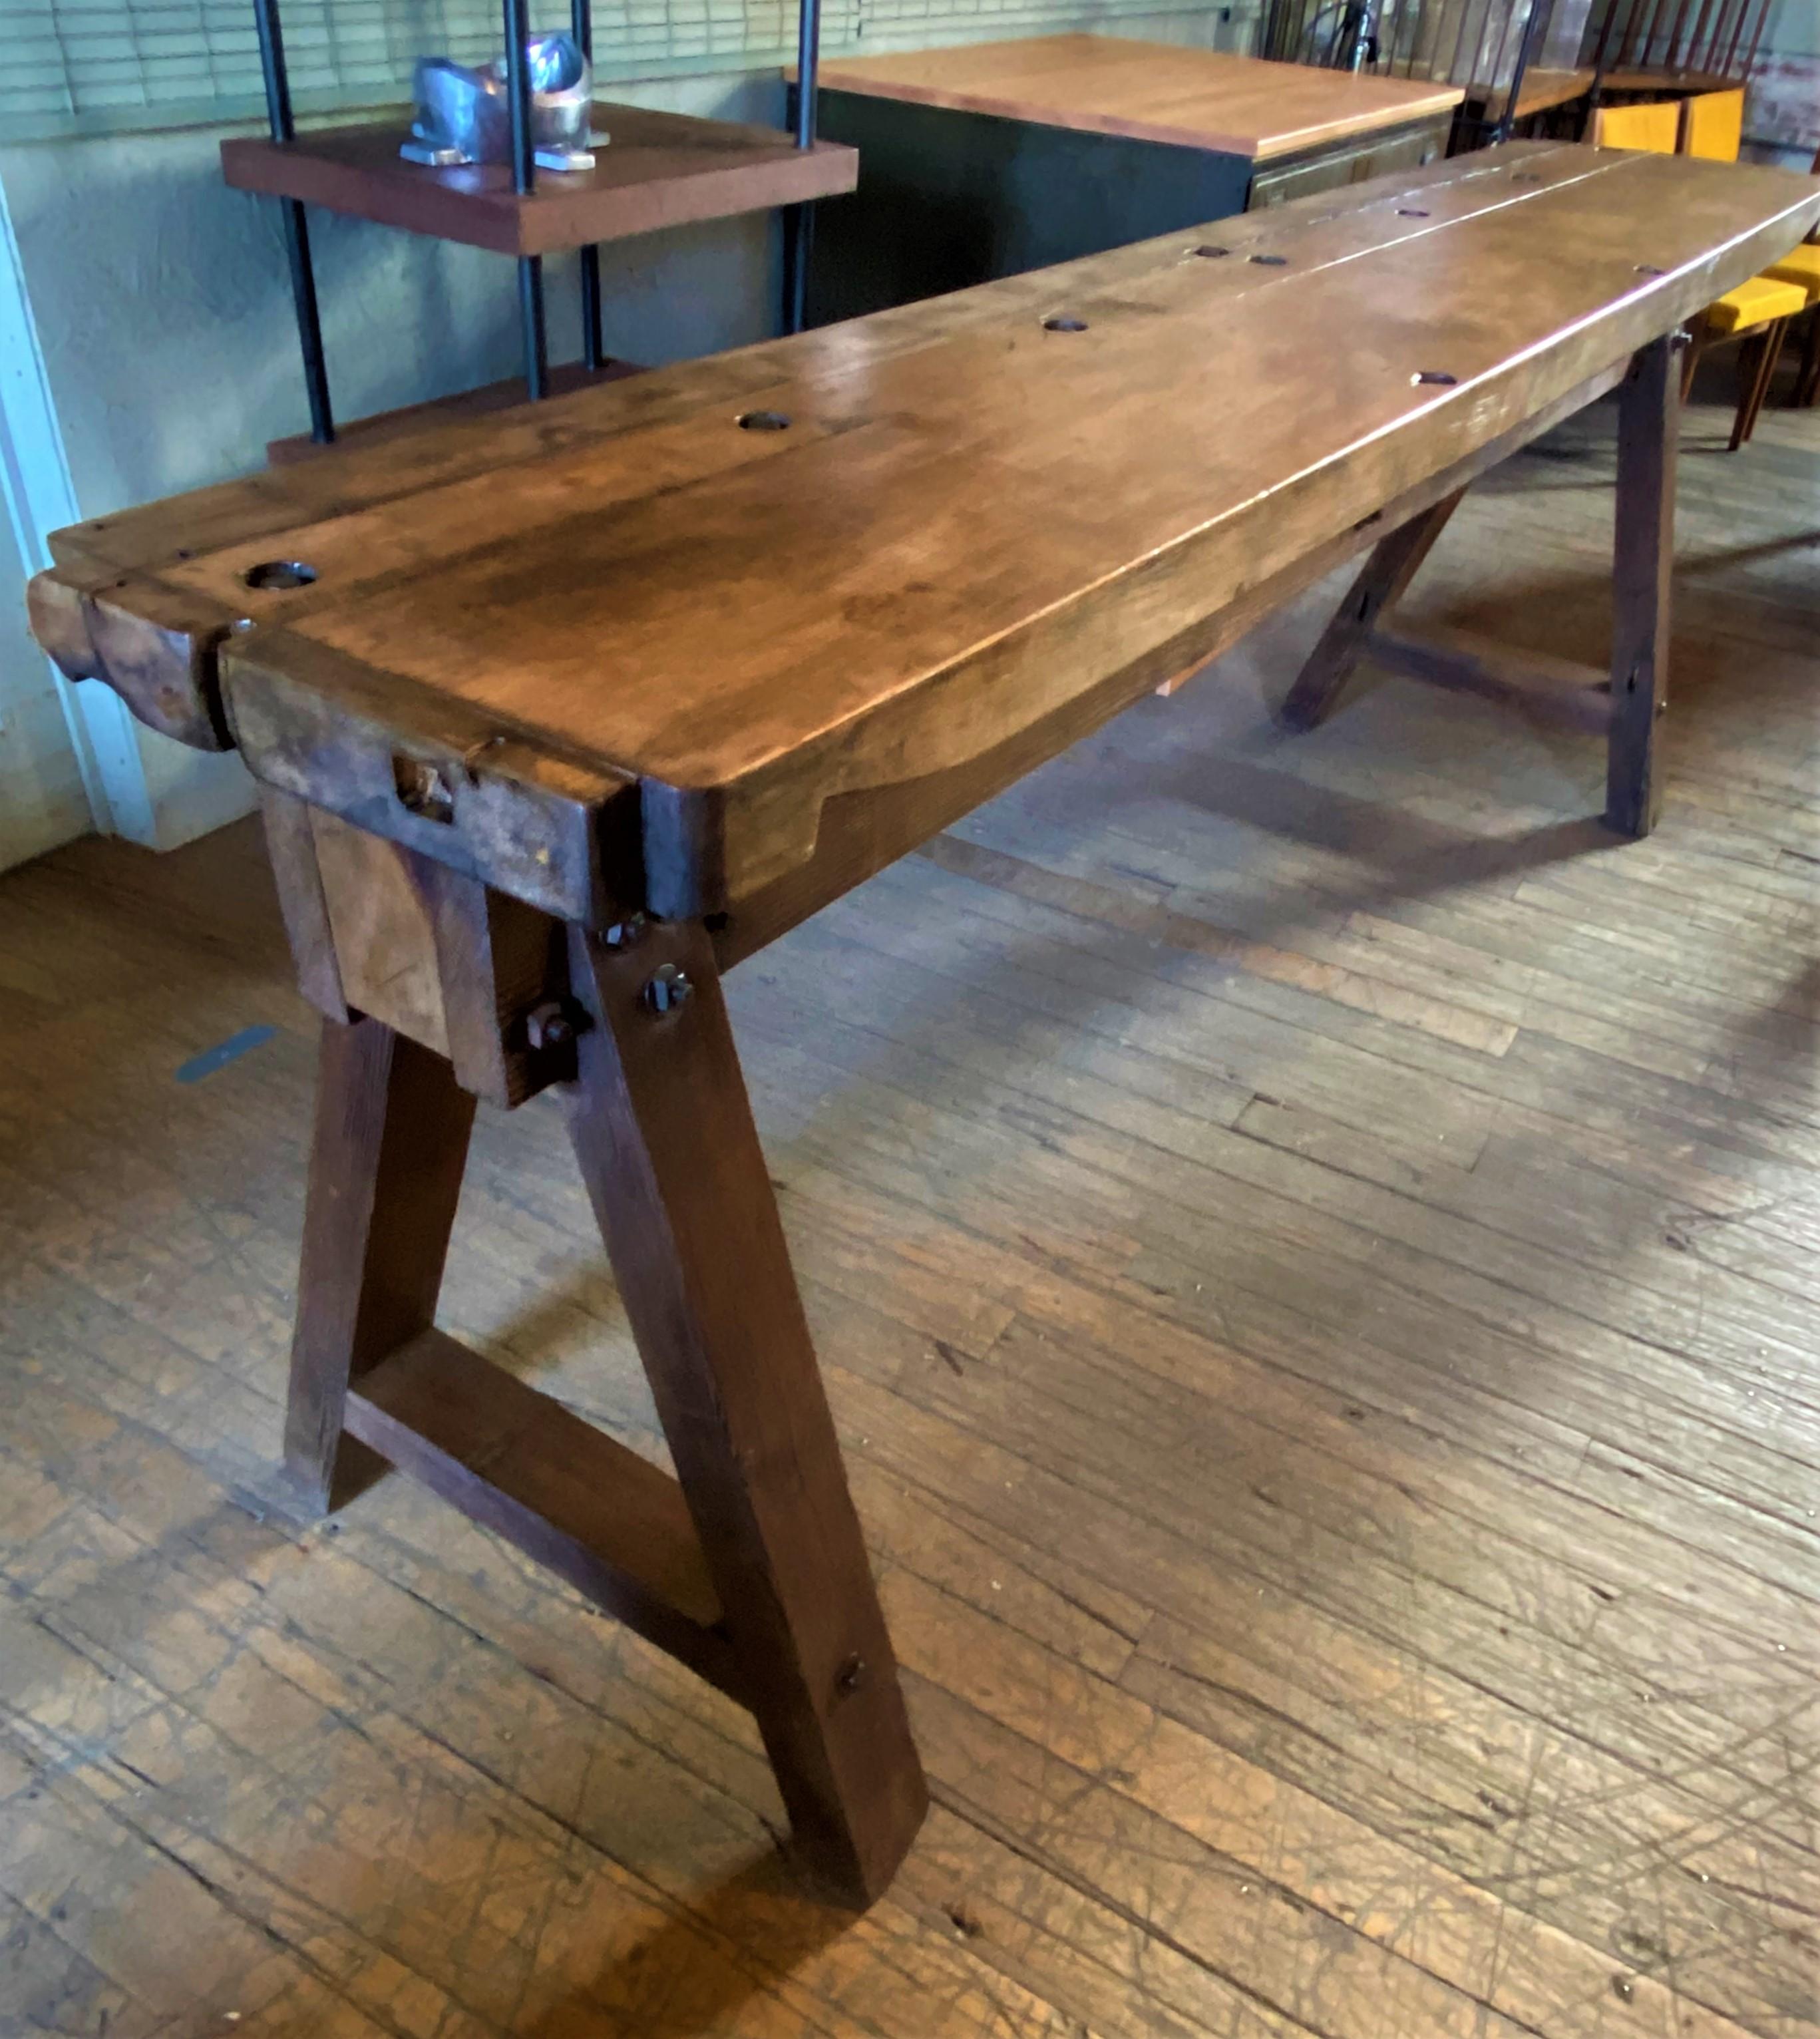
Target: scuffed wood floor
1315, 1250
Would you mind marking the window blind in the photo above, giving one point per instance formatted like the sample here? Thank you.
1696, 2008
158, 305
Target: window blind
74, 67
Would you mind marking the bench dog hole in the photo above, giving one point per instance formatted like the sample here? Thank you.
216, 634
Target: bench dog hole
273, 574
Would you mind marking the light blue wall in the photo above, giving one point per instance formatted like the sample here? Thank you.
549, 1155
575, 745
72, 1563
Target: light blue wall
164, 311
166, 320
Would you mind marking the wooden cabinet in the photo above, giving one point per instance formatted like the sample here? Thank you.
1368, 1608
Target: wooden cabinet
1340, 164
990, 160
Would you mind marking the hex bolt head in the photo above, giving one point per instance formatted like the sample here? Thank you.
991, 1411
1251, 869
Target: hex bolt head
623, 934
851, 1675
551, 1025
668, 989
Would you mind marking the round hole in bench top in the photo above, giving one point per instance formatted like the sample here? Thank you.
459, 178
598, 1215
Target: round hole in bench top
1526, 176
1439, 376
1271, 261
274, 575
763, 421
1211, 253
1650, 269
1063, 323
1411, 212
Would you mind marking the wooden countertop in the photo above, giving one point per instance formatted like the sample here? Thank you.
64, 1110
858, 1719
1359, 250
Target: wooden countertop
1153, 92
945, 530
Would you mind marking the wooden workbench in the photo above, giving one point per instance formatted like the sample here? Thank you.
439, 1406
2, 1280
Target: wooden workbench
559, 713
994, 158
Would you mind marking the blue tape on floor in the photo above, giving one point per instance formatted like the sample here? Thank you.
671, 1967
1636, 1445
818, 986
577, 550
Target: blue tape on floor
224, 1052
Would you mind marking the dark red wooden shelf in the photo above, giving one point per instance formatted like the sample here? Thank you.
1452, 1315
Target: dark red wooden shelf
658, 170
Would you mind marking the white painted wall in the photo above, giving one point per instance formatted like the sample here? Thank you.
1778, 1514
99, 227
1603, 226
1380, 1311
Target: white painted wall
42, 799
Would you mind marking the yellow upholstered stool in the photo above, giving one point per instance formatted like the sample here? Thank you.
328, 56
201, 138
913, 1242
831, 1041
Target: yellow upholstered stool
1712, 125
1804, 267
1763, 305
1656, 128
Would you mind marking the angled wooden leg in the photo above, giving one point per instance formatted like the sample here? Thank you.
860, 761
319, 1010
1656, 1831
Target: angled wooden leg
1392, 565
391, 1139
1643, 566
1757, 389
664, 1130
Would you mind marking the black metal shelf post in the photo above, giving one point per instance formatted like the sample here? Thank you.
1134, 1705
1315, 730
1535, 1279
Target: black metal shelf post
296, 227
581, 26
799, 220
524, 181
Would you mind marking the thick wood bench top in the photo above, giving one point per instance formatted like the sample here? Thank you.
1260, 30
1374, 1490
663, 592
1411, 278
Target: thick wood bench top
654, 654
1152, 92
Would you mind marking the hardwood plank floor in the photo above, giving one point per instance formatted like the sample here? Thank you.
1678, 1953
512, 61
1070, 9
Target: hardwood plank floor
1315, 1251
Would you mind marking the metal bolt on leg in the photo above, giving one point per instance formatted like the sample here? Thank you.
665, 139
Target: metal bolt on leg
668, 989
553, 1024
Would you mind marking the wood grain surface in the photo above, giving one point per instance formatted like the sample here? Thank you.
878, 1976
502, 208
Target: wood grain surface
1314, 1248
972, 520
1153, 92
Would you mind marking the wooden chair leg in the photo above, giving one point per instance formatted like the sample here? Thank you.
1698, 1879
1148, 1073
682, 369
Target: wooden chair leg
1393, 563
664, 1130
1807, 384
1649, 424
1757, 386
391, 1140
1699, 333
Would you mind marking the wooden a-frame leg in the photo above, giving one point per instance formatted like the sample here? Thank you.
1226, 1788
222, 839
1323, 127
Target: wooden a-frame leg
1643, 566
664, 1130
391, 1140
1393, 563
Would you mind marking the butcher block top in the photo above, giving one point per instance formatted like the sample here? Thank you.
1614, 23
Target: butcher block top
1152, 92
723, 598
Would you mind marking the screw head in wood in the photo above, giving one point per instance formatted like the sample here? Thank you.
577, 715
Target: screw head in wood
851, 1675
668, 989
1210, 252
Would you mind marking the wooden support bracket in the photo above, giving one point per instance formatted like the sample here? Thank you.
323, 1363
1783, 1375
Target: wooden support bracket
750, 1566
613, 1525
1626, 706
1464, 662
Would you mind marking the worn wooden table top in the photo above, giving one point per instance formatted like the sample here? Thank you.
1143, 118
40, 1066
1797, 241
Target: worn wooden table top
702, 637
1154, 92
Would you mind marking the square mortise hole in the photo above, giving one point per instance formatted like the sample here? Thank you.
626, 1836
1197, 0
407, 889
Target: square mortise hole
422, 789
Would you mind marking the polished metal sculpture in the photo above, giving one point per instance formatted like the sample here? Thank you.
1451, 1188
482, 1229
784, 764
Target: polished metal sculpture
464, 114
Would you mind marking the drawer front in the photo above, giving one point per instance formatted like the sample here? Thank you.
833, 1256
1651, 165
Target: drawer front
1349, 162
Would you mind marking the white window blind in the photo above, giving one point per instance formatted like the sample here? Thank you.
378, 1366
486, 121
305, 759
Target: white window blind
72, 66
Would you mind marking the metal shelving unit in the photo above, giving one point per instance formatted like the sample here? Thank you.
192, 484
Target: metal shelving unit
672, 169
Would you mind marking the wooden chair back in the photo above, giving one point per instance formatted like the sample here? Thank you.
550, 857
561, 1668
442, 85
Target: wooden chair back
1713, 125
1654, 127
